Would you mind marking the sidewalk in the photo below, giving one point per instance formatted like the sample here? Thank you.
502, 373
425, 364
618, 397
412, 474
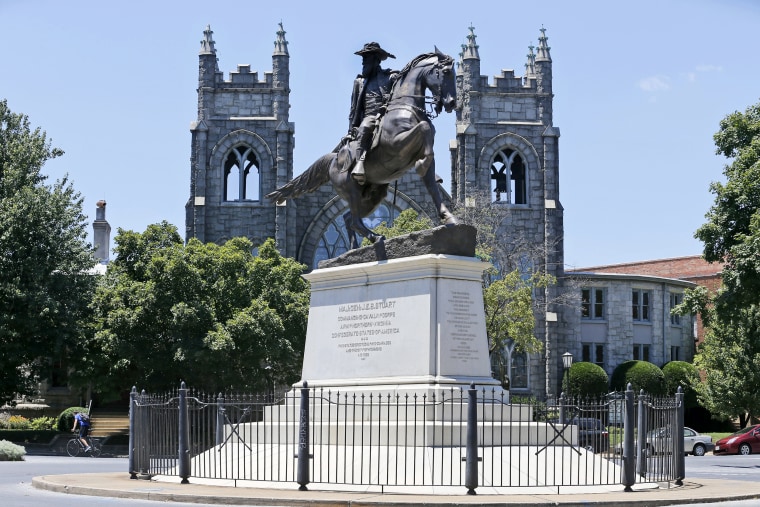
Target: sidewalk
119, 485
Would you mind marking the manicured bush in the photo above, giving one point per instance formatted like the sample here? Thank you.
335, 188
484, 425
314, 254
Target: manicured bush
641, 375
66, 418
11, 452
585, 379
684, 375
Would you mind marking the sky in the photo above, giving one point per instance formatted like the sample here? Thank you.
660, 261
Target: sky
639, 90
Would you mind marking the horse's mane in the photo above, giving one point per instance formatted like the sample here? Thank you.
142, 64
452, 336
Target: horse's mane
424, 56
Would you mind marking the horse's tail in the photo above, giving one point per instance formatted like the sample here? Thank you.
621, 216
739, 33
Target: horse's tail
314, 177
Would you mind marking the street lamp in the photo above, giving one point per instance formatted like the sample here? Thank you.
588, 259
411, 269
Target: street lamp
567, 362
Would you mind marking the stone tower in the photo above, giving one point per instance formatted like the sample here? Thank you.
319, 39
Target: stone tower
101, 233
506, 153
242, 149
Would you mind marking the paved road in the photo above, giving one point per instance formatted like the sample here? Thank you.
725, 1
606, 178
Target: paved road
735, 468
16, 489
16, 482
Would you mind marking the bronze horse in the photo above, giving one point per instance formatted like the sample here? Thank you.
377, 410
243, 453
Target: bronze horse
404, 141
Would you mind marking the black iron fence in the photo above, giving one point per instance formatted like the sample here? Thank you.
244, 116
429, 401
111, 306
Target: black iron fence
469, 438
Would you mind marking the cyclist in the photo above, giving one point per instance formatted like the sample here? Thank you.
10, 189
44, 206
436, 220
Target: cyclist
84, 429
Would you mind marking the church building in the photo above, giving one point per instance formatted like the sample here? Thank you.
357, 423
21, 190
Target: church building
504, 153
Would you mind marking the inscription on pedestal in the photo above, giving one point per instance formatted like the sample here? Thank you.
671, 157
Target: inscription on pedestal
362, 329
462, 320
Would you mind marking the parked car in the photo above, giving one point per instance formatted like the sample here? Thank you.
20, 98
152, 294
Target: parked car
745, 441
659, 441
592, 434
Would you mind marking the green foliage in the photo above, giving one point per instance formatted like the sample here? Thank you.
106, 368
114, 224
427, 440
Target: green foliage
14, 422
730, 360
641, 375
11, 452
509, 310
66, 418
43, 423
585, 379
684, 375
730, 354
212, 315
44, 256
407, 221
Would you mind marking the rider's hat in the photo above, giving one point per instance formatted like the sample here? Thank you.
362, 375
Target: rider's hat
374, 47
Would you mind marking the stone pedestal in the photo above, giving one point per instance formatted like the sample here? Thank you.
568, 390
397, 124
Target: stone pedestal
406, 325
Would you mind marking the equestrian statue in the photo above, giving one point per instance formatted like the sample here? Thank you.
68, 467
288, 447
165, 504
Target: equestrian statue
390, 133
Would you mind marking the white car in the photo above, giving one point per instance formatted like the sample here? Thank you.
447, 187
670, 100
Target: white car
658, 441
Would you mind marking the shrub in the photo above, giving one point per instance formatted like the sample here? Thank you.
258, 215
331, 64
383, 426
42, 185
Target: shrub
43, 423
684, 375
11, 452
641, 375
15, 422
585, 379
66, 418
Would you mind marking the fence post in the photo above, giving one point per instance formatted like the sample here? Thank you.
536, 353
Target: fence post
678, 438
142, 438
132, 432
303, 440
628, 450
184, 435
643, 449
471, 456
219, 420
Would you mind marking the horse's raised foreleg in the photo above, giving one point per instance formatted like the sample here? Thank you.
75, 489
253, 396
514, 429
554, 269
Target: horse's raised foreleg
432, 187
355, 225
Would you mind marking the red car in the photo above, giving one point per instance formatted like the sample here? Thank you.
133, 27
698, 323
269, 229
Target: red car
745, 441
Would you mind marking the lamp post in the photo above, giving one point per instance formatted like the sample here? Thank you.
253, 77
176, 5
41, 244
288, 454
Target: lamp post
567, 362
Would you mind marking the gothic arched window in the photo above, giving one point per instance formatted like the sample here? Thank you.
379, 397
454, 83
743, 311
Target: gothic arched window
510, 366
508, 178
241, 175
334, 241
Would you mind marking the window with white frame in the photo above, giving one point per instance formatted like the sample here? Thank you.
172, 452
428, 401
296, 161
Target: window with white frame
640, 304
592, 303
640, 352
675, 300
593, 353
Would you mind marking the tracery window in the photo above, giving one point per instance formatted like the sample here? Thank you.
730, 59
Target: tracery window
508, 178
510, 366
241, 175
334, 241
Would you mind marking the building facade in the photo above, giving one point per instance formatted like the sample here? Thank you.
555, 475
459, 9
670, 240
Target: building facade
505, 154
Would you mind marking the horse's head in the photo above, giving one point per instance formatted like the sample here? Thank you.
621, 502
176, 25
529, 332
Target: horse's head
442, 82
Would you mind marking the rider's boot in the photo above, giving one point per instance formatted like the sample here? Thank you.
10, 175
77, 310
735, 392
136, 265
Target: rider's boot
358, 172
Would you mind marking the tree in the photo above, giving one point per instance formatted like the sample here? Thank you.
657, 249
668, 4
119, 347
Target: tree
730, 360
215, 316
407, 221
729, 353
44, 259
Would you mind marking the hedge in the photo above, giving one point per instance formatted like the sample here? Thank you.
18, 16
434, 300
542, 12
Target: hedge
585, 379
641, 375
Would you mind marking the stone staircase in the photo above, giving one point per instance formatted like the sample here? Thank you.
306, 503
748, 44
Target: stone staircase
106, 424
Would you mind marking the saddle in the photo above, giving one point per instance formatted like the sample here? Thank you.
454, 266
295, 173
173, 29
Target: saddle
346, 158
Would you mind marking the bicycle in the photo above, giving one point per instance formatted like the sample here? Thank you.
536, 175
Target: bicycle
75, 447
